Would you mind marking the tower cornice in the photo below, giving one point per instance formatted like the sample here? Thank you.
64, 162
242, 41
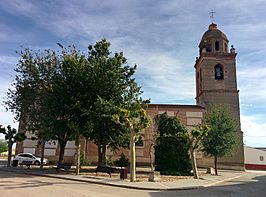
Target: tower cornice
214, 56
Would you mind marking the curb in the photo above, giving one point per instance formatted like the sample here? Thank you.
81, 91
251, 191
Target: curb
120, 186
222, 181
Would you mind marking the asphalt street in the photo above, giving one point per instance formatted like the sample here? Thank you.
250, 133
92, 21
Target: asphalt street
13, 185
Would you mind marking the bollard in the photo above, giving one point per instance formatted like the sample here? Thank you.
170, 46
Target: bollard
123, 173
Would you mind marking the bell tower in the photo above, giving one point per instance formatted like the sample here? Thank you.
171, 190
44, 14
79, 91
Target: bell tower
216, 82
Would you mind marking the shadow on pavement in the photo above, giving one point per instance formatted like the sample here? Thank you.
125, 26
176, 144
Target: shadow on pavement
13, 180
3, 162
255, 187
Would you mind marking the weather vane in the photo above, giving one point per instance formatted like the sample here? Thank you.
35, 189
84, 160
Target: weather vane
212, 15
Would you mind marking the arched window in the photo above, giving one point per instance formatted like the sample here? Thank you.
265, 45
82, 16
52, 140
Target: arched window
217, 46
219, 73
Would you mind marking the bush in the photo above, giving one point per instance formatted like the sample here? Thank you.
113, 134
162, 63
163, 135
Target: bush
171, 151
53, 162
83, 160
3, 146
171, 155
110, 161
122, 161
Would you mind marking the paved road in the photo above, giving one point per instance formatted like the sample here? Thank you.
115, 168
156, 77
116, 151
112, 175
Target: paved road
14, 185
3, 162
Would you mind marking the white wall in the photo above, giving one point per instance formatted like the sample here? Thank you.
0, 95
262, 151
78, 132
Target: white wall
193, 119
70, 152
29, 143
49, 152
254, 156
29, 150
70, 144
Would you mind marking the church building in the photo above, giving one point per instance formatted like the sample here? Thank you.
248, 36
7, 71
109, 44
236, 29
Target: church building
216, 83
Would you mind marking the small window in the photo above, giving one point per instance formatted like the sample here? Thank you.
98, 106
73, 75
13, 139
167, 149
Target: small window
217, 46
261, 158
219, 74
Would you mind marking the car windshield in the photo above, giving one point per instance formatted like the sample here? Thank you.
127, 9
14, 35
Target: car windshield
35, 155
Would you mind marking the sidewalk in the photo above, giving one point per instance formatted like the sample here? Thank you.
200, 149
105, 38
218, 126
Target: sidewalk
206, 180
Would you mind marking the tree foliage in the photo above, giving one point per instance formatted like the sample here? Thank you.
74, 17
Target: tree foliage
135, 118
113, 91
11, 136
171, 151
3, 146
221, 137
41, 96
64, 96
195, 137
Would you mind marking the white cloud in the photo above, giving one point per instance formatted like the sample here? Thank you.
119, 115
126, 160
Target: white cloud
163, 77
254, 130
253, 73
18, 6
8, 60
7, 65
252, 82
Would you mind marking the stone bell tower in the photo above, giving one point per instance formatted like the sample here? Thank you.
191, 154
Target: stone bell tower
216, 82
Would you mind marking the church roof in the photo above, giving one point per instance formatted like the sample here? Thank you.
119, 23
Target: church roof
178, 106
213, 32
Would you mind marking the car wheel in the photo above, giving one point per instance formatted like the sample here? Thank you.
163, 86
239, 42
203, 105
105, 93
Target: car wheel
37, 163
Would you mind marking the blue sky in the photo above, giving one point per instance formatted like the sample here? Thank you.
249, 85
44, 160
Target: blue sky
160, 36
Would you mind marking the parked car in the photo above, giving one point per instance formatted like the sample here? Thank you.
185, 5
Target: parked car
36, 160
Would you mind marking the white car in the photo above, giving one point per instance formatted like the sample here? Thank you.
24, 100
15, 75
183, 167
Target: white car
34, 159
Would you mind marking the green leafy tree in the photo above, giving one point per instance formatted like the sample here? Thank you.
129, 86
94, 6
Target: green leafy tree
195, 138
134, 118
3, 146
66, 96
28, 97
221, 137
68, 99
171, 151
113, 89
45, 94
11, 136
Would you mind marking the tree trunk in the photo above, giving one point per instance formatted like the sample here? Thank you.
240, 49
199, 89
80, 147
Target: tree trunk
10, 144
101, 155
132, 157
85, 150
77, 143
194, 163
215, 165
42, 152
151, 157
100, 162
152, 175
62, 145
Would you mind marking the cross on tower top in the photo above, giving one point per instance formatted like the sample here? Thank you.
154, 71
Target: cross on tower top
212, 15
